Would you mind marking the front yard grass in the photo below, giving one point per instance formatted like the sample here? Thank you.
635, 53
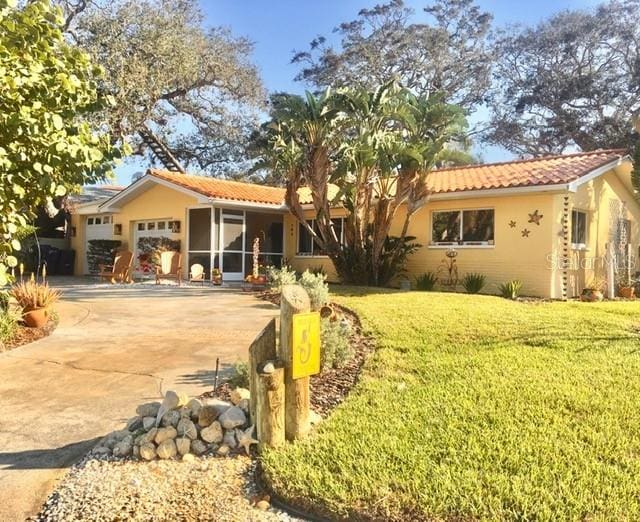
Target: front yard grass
476, 407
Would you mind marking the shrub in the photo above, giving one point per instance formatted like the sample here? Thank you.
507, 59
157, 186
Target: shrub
511, 289
473, 283
426, 282
318, 270
8, 326
316, 287
31, 294
4, 301
336, 349
279, 277
240, 376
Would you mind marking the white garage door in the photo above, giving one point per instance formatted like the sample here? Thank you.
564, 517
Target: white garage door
152, 228
97, 227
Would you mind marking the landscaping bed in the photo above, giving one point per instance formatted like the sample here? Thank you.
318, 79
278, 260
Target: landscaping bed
25, 335
331, 387
476, 407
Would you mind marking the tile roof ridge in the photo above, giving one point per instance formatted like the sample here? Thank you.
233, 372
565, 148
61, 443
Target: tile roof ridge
531, 160
177, 176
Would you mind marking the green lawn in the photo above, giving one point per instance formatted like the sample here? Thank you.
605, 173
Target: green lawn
475, 407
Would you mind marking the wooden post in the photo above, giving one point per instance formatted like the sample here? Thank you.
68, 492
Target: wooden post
262, 349
294, 300
271, 406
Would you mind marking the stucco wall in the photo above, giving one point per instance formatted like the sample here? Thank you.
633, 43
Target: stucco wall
604, 199
513, 256
159, 202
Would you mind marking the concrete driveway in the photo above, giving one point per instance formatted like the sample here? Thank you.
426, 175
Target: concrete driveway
114, 348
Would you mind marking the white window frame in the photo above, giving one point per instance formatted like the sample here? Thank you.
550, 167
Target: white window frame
462, 244
311, 255
580, 246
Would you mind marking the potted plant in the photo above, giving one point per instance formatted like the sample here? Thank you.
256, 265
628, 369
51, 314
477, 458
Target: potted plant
626, 288
594, 291
35, 299
216, 276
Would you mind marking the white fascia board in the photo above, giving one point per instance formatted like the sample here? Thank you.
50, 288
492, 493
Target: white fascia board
573, 186
498, 192
111, 205
247, 205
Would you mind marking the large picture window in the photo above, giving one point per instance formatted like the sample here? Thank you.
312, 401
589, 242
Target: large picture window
307, 246
578, 229
463, 227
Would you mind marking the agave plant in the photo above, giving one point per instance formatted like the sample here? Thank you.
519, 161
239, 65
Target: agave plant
32, 295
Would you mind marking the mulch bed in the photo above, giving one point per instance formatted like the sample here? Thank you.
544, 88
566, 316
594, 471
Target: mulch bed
25, 335
332, 386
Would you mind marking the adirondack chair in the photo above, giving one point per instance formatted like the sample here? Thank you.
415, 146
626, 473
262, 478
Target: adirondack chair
196, 274
120, 271
170, 267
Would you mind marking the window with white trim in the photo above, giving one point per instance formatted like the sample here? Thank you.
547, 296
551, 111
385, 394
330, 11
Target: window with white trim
463, 227
578, 229
307, 246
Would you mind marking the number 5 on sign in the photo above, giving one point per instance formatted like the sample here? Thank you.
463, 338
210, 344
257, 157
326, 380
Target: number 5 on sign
306, 345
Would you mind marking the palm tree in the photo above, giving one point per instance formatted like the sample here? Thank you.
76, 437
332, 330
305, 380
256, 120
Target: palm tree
378, 147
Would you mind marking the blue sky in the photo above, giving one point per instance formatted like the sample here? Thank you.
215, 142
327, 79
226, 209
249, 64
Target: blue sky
278, 27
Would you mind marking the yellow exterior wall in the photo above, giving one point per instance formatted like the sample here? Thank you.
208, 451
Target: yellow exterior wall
601, 198
512, 257
158, 202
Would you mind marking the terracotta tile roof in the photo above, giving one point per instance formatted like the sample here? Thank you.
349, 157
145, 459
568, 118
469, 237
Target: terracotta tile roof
223, 189
548, 170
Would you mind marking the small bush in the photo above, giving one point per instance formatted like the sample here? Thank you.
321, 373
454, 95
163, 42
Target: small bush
473, 283
8, 327
426, 282
316, 287
240, 376
279, 277
336, 349
319, 270
4, 301
511, 289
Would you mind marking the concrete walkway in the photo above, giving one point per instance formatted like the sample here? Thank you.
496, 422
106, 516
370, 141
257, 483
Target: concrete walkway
114, 348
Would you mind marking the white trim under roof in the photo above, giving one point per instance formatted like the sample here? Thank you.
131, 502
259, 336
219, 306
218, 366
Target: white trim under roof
111, 205
573, 186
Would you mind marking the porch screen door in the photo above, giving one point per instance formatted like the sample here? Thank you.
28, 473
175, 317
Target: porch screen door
232, 245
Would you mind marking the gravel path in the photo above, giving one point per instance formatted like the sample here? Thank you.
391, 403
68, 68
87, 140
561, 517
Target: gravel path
207, 489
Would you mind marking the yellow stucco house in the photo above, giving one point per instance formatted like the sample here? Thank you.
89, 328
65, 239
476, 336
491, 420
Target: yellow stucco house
547, 222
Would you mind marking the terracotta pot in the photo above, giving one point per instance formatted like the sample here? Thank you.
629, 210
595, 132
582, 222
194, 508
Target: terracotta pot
628, 292
591, 296
216, 279
35, 318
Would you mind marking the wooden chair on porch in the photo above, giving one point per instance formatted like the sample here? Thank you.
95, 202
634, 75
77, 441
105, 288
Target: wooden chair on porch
120, 271
170, 267
196, 274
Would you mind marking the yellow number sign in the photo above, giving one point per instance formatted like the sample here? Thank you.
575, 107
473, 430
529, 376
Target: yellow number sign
306, 345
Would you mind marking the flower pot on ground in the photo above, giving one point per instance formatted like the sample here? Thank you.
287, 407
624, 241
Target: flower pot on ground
591, 295
594, 291
216, 277
35, 318
35, 299
628, 292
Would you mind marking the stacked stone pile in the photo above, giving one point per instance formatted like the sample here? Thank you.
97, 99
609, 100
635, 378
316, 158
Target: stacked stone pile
180, 427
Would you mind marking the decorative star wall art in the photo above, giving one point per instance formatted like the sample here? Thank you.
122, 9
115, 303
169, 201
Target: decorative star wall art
525, 232
512, 224
535, 217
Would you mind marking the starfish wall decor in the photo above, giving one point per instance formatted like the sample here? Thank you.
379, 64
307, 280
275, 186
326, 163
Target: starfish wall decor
526, 232
535, 217
512, 224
